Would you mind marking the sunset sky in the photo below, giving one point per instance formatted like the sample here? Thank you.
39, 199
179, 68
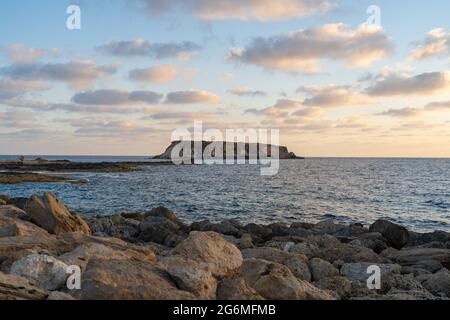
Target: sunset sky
138, 69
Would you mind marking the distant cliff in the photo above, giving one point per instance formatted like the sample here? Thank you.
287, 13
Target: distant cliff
239, 146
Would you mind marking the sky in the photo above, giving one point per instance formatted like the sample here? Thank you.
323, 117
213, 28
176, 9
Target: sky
335, 78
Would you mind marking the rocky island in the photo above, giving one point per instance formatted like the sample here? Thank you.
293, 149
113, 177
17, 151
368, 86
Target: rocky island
237, 147
154, 255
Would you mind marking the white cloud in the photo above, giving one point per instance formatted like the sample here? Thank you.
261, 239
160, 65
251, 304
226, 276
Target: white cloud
301, 51
435, 44
333, 96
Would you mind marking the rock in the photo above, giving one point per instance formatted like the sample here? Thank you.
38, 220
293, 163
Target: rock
279, 229
430, 259
417, 239
358, 271
343, 287
114, 226
236, 289
46, 271
223, 258
50, 214
396, 235
226, 227
245, 242
13, 287
191, 276
322, 269
297, 263
11, 224
60, 296
163, 212
371, 240
330, 249
302, 225
258, 232
4, 198
400, 282
18, 202
158, 229
133, 216
438, 283
128, 280
275, 281
3, 202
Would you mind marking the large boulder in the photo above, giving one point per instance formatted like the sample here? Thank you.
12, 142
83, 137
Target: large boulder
13, 287
160, 229
44, 270
297, 263
223, 257
236, 289
418, 239
322, 269
49, 213
275, 281
396, 235
371, 240
128, 280
191, 276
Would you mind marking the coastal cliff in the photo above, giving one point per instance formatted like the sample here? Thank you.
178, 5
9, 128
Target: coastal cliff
243, 149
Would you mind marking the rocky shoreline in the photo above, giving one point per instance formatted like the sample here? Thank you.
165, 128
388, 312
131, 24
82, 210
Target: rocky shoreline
30, 177
156, 256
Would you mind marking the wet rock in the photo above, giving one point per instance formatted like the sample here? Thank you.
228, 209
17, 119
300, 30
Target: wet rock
191, 276
322, 269
438, 283
13, 287
128, 280
358, 271
49, 213
396, 235
223, 258
236, 289
46, 271
297, 263
275, 281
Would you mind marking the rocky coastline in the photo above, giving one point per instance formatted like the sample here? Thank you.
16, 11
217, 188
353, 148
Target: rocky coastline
31, 177
156, 256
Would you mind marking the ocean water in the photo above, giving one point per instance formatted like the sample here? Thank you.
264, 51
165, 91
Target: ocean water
413, 192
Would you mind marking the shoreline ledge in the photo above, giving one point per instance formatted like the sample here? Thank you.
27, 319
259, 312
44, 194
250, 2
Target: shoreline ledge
156, 256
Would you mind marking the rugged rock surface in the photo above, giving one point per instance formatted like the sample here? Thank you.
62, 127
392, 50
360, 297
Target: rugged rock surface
154, 255
50, 214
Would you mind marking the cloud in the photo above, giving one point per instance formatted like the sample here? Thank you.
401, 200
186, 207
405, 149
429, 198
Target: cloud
244, 91
394, 84
262, 10
156, 74
116, 97
76, 73
10, 88
15, 119
111, 129
19, 54
192, 97
143, 48
301, 51
435, 44
431, 107
332, 96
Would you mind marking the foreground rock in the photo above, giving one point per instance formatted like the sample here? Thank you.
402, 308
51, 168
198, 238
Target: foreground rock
50, 214
154, 255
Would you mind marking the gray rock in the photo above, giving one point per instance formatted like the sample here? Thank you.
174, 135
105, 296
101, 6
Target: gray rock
322, 269
46, 271
236, 289
13, 287
358, 271
396, 235
438, 283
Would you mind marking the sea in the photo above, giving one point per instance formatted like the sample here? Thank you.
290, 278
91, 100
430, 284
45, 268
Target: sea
412, 192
